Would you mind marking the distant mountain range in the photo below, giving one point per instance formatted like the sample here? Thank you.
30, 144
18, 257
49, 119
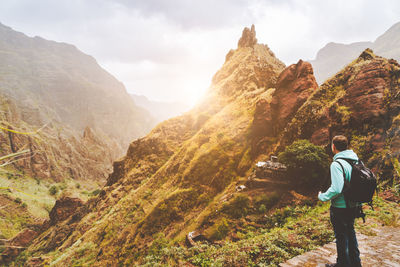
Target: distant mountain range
160, 110
70, 84
88, 117
334, 56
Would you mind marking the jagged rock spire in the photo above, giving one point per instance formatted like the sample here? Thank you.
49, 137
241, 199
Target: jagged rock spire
248, 38
367, 54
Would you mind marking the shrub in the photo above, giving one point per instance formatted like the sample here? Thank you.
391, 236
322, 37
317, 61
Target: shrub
220, 230
159, 243
96, 192
305, 161
237, 208
268, 201
170, 210
53, 190
18, 200
262, 208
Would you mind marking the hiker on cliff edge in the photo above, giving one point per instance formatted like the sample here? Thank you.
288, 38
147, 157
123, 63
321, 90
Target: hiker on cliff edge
342, 215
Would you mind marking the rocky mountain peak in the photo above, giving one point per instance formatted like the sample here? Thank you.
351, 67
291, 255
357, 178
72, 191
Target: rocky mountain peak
248, 38
367, 54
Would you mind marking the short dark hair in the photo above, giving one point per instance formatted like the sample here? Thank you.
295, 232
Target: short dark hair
340, 142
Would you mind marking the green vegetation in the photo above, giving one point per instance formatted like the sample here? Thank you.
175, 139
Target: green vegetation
219, 230
266, 201
360, 145
238, 207
25, 199
305, 161
285, 233
170, 210
344, 113
53, 190
96, 192
289, 232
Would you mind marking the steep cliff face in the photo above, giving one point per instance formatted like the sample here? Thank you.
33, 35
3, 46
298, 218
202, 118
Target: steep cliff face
57, 81
63, 121
362, 102
295, 84
54, 152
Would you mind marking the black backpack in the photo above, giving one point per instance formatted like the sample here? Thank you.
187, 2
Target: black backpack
362, 185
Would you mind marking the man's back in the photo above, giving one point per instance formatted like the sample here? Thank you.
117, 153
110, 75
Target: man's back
334, 193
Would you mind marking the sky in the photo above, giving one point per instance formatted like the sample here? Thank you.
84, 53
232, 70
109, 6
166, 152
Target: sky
168, 50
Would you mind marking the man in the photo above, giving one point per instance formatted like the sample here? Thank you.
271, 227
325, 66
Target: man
342, 215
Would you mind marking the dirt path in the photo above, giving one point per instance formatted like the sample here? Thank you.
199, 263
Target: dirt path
381, 250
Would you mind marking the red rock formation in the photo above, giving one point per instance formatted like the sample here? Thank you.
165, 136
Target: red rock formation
361, 102
17, 244
64, 208
295, 84
262, 118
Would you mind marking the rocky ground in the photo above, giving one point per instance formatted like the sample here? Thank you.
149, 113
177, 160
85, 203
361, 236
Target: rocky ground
380, 250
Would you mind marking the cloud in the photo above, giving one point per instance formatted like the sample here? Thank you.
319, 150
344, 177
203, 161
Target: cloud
170, 49
189, 14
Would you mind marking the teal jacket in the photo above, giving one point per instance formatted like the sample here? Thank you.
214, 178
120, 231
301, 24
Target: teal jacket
334, 191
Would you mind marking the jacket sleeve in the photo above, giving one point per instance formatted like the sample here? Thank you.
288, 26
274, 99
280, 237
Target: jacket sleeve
337, 183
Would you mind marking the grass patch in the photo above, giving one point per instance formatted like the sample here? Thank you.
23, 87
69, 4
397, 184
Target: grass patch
286, 232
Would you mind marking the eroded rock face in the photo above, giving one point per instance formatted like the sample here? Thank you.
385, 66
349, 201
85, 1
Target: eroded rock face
17, 244
263, 118
365, 93
295, 84
360, 102
84, 156
64, 208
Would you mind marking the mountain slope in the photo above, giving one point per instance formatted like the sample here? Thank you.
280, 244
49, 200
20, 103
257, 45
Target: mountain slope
388, 44
335, 56
54, 152
58, 78
63, 121
161, 111
188, 173
362, 102
168, 177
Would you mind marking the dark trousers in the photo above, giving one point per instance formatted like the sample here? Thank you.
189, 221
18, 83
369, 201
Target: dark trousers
346, 241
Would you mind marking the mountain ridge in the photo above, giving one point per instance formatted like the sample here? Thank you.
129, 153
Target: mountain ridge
188, 173
36, 72
158, 109
335, 56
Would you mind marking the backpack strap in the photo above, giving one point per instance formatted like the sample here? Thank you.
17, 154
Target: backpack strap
350, 161
346, 183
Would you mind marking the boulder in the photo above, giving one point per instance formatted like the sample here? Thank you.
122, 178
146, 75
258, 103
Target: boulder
64, 208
